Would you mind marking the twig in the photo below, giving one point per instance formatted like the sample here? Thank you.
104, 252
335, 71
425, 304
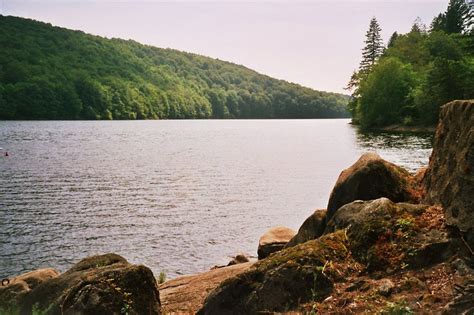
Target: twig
467, 245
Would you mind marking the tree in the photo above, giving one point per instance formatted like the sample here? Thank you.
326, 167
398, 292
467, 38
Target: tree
392, 39
438, 23
373, 47
372, 51
386, 94
458, 18
418, 26
54, 73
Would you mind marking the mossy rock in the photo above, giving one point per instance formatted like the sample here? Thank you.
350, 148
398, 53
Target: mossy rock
390, 236
105, 284
283, 280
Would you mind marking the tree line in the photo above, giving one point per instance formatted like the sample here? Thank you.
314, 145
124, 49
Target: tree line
407, 81
49, 72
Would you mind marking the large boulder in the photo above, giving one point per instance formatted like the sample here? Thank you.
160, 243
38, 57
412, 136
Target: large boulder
449, 180
385, 235
286, 279
274, 240
186, 294
105, 284
312, 228
369, 178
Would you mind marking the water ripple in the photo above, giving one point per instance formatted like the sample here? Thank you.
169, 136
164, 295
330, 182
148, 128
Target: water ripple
177, 196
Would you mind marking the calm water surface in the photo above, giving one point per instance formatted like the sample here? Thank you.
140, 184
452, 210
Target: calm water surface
177, 196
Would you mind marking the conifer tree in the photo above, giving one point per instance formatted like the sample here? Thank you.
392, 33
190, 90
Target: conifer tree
392, 39
458, 18
373, 47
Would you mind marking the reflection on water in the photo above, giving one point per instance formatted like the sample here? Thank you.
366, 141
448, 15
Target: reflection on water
410, 150
177, 196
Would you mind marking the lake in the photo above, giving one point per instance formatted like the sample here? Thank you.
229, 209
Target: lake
176, 196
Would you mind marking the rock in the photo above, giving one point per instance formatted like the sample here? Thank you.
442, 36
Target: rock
105, 284
274, 240
285, 279
385, 287
312, 228
239, 259
449, 180
19, 286
391, 236
462, 268
463, 302
370, 178
185, 295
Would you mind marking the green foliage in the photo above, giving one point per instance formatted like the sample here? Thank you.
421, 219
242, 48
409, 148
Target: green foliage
386, 93
373, 48
404, 224
397, 308
457, 19
161, 277
52, 73
418, 72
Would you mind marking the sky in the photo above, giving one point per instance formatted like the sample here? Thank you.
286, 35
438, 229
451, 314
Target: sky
314, 43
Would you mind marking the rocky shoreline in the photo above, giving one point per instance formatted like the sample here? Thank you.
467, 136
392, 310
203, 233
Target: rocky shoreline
389, 242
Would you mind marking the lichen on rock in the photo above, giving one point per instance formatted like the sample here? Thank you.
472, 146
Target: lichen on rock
449, 180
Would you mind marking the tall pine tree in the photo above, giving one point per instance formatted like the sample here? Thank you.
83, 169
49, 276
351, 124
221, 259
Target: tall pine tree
458, 18
370, 54
373, 47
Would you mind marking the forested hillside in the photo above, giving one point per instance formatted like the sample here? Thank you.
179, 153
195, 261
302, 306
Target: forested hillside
49, 72
407, 81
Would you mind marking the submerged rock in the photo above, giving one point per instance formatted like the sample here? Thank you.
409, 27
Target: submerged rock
284, 280
274, 240
449, 180
105, 284
312, 228
369, 178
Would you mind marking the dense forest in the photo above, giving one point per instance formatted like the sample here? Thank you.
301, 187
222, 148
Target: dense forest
49, 72
407, 81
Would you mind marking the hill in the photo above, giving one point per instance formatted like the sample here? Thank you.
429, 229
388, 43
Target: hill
49, 72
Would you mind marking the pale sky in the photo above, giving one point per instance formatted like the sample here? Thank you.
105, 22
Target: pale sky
313, 43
